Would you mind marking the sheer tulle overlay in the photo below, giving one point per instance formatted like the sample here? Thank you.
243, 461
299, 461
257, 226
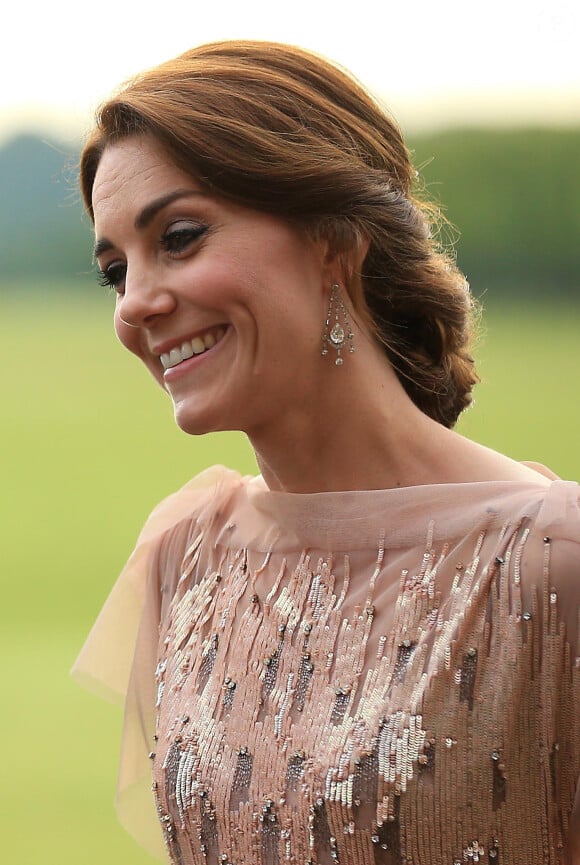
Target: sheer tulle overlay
380, 677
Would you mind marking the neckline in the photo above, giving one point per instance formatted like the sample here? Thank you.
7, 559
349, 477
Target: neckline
257, 486
355, 519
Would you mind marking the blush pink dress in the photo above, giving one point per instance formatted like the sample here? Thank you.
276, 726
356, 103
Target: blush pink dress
385, 677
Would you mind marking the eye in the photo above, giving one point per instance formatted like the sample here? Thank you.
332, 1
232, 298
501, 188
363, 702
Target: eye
112, 275
180, 236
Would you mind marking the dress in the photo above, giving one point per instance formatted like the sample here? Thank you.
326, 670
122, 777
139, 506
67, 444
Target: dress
383, 677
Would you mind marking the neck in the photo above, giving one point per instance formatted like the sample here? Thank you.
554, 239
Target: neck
359, 430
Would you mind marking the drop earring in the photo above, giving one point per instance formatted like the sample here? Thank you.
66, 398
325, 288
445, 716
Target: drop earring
337, 329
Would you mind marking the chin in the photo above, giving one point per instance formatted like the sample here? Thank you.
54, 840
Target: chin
193, 426
197, 422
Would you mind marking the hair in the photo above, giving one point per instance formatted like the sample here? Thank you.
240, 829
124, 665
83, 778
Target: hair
281, 130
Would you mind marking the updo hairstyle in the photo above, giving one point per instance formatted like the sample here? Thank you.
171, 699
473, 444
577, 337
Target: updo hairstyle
281, 130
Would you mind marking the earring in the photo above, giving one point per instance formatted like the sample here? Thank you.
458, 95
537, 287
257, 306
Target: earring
337, 330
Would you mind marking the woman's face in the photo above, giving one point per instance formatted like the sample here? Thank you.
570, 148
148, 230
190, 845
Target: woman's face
223, 304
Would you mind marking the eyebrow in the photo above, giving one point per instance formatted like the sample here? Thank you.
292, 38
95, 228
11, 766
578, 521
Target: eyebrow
147, 215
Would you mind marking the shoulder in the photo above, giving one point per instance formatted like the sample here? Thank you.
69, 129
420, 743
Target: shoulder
196, 501
134, 605
558, 517
181, 522
550, 519
534, 528
558, 524
550, 561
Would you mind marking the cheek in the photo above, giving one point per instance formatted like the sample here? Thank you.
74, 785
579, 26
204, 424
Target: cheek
131, 339
126, 335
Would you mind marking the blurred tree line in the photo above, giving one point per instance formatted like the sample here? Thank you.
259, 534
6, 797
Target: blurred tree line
513, 198
44, 235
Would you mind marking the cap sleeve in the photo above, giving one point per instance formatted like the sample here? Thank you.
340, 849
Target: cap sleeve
119, 657
558, 525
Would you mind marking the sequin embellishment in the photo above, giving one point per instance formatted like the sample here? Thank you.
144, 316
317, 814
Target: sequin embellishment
292, 730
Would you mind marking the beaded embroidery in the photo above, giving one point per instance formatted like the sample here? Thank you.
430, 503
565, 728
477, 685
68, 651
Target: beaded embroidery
290, 730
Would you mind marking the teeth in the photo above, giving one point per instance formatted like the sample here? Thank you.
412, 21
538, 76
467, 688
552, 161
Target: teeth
187, 351
197, 345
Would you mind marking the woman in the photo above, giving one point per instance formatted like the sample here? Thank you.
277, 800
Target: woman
366, 654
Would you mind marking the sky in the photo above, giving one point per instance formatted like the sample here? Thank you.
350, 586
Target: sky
451, 62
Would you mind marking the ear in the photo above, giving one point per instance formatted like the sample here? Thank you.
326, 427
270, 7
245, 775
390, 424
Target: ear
344, 261
359, 253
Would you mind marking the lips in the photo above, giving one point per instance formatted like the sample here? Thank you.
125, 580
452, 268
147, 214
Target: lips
190, 347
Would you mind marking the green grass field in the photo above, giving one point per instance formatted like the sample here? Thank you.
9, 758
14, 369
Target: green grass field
89, 447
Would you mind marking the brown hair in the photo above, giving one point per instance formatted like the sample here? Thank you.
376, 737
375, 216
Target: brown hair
284, 131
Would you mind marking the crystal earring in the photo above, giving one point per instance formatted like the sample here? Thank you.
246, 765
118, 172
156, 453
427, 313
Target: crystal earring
337, 330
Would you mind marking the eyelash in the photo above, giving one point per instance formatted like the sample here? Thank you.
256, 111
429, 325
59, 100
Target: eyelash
107, 279
178, 240
173, 242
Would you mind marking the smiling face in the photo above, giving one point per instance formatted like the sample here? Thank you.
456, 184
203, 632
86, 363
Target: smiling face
224, 305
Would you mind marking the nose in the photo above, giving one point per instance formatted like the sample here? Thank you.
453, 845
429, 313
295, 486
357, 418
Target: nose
143, 300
